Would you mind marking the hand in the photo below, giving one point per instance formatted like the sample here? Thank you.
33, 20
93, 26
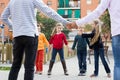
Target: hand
50, 49
70, 51
74, 25
69, 26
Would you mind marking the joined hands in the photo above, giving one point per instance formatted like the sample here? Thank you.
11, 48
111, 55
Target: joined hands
71, 25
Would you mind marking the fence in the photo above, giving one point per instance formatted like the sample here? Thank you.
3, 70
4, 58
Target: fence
6, 53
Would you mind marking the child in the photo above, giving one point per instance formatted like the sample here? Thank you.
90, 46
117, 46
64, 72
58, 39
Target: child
97, 45
42, 41
57, 40
81, 51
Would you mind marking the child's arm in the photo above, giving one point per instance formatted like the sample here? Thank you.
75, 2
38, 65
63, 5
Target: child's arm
90, 35
45, 41
74, 43
50, 48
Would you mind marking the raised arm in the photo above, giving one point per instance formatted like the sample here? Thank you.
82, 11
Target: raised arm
104, 4
40, 5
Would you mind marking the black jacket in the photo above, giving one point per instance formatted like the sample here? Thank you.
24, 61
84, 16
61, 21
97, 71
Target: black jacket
97, 44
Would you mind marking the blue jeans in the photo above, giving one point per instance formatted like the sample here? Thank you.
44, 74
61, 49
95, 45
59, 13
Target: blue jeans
28, 46
81, 55
100, 52
116, 54
54, 53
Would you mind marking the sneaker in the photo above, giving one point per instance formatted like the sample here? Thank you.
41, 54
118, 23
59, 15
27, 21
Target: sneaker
80, 74
66, 73
93, 75
38, 72
49, 73
109, 75
83, 74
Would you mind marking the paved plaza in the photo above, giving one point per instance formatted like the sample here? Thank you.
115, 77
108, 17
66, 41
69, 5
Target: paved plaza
57, 72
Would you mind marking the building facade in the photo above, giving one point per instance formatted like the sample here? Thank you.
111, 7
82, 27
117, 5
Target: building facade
69, 9
72, 9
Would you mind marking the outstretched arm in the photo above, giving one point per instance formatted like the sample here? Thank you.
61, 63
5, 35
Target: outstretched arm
39, 4
104, 4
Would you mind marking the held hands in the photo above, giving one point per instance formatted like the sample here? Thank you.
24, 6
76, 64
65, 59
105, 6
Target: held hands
50, 49
71, 25
70, 51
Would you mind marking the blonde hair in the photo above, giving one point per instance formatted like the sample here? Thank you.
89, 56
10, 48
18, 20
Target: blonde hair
54, 31
97, 33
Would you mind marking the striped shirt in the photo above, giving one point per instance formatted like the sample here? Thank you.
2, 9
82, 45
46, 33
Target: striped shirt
114, 11
20, 15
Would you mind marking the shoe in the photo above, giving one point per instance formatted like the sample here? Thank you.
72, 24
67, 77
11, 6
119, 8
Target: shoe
80, 74
83, 74
66, 73
93, 75
49, 73
38, 72
108, 75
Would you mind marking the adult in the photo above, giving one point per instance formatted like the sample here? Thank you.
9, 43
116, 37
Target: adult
114, 11
22, 14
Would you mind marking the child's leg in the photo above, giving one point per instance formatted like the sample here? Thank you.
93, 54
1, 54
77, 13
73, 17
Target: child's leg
96, 62
36, 62
79, 56
61, 54
84, 55
54, 53
107, 69
41, 59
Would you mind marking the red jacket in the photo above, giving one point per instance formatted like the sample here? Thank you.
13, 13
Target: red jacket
58, 40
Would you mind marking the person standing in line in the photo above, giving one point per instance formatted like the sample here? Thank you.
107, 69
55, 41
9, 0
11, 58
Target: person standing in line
81, 51
42, 42
114, 11
97, 45
20, 15
57, 40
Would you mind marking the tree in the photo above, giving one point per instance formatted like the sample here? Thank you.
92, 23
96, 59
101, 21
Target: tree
105, 18
47, 25
88, 27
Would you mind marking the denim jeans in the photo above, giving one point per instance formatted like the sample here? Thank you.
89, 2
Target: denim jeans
100, 52
54, 53
81, 55
21, 45
116, 54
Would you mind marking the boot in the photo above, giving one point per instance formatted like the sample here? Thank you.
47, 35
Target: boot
50, 67
64, 68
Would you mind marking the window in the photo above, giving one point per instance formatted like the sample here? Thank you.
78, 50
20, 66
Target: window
78, 3
71, 3
49, 3
89, 1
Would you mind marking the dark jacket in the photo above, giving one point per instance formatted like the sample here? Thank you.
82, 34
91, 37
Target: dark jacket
81, 42
97, 44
